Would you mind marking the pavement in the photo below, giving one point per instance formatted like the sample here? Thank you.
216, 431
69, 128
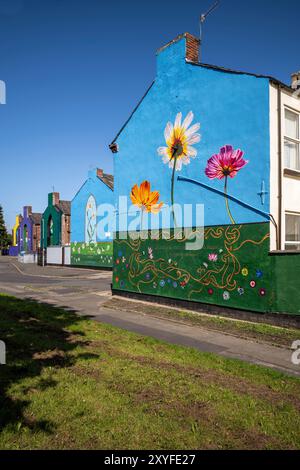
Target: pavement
87, 292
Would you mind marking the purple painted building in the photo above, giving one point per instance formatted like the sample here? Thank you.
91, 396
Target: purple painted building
30, 231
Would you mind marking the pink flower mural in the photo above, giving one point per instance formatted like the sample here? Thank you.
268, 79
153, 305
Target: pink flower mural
227, 163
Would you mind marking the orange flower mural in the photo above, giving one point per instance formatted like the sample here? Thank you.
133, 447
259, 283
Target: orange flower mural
145, 199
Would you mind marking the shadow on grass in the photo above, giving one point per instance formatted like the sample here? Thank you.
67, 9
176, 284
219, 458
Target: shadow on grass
36, 338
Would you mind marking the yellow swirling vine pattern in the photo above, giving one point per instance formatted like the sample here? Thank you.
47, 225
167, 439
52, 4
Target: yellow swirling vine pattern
223, 276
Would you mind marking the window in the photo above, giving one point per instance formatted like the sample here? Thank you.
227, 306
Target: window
292, 141
292, 232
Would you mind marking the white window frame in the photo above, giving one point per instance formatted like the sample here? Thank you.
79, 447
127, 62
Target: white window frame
297, 214
291, 139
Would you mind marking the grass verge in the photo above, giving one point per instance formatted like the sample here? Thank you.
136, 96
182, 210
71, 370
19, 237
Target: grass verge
277, 336
73, 383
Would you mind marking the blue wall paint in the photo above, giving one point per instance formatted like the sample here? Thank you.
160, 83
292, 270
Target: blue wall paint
232, 109
102, 194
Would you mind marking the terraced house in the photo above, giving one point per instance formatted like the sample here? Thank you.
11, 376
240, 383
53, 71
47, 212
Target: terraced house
92, 245
14, 248
226, 140
29, 231
56, 230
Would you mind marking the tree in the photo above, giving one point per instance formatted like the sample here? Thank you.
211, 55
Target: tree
4, 237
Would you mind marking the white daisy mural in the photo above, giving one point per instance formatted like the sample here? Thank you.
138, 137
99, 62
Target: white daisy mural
179, 150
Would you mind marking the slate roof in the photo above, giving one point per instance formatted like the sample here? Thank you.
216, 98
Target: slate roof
36, 218
65, 207
108, 180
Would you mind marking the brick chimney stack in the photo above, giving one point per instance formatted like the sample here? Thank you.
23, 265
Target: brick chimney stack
296, 80
27, 211
55, 199
99, 172
192, 48
192, 44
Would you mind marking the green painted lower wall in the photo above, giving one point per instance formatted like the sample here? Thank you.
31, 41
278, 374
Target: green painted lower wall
234, 269
92, 254
286, 270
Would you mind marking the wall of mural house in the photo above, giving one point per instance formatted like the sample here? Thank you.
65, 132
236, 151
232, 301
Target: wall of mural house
29, 231
56, 228
14, 248
200, 135
91, 244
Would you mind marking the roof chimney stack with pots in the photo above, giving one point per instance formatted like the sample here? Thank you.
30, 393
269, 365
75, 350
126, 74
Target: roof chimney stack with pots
53, 199
296, 80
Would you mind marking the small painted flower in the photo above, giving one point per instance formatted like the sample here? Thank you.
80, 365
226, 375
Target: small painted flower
226, 163
259, 274
123, 259
154, 285
175, 284
145, 199
162, 283
213, 257
117, 279
205, 265
169, 261
122, 284
118, 261
262, 292
241, 291
226, 295
148, 276
245, 272
183, 284
252, 284
210, 291
179, 139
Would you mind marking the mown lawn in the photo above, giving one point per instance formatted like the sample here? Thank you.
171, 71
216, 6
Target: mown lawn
74, 383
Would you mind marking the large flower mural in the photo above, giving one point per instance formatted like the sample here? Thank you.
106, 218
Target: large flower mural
226, 164
90, 220
180, 139
145, 199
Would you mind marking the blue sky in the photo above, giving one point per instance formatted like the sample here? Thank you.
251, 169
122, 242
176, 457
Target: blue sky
75, 69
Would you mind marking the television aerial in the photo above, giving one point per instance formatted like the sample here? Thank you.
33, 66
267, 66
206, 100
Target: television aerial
202, 21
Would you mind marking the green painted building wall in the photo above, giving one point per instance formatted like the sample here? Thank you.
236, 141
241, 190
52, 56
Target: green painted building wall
53, 238
285, 268
234, 269
98, 254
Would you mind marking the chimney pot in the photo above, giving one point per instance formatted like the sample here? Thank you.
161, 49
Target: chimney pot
100, 172
296, 80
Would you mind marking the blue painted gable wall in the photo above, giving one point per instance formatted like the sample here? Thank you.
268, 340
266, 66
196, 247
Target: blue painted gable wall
231, 108
102, 194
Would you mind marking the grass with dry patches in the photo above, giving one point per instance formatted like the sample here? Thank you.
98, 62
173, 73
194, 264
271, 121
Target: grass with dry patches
74, 383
